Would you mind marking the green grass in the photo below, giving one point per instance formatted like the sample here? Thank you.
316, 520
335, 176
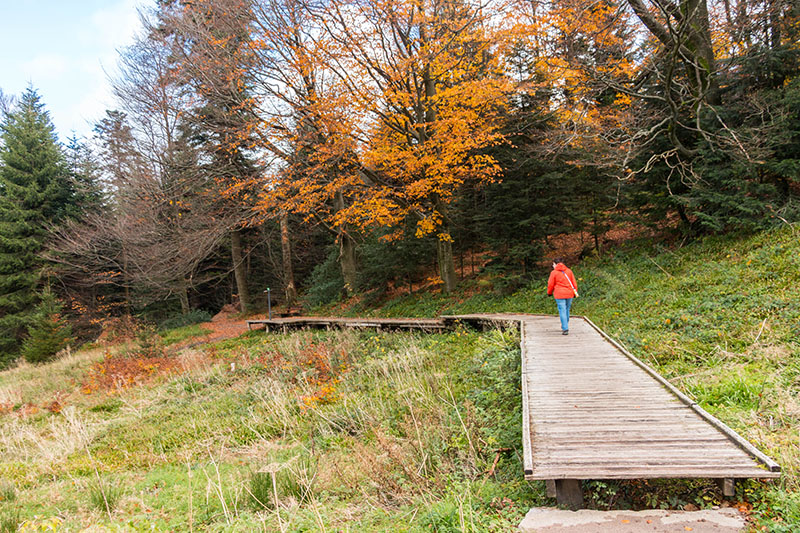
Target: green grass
176, 335
364, 431
397, 432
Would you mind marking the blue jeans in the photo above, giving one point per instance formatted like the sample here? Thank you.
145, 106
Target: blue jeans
564, 305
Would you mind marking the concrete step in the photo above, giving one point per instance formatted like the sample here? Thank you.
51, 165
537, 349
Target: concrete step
552, 520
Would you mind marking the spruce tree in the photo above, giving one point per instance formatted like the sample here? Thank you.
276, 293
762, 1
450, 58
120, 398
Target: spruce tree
35, 191
48, 331
84, 171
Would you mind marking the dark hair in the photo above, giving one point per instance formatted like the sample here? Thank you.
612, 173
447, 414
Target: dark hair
557, 260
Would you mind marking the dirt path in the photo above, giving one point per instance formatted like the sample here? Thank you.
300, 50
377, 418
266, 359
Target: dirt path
220, 328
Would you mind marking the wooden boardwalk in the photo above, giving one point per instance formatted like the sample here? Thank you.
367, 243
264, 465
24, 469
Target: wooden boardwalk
432, 325
591, 410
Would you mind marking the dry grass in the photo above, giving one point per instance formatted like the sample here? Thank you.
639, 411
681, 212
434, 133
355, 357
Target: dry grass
34, 384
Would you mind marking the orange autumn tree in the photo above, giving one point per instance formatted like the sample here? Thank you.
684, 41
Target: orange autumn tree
304, 127
426, 92
585, 59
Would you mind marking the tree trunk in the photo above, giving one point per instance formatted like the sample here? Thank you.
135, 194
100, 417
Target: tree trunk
444, 249
347, 257
239, 270
703, 63
183, 294
347, 252
687, 224
126, 277
596, 233
447, 267
289, 289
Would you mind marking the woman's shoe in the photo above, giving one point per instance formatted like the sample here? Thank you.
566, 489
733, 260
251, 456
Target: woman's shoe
565, 332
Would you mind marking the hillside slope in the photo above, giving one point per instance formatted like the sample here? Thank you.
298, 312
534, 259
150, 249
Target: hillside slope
396, 432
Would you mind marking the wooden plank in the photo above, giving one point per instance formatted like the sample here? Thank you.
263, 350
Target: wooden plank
648, 473
527, 449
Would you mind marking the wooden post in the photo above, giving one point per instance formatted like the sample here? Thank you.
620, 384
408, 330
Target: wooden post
569, 493
550, 488
727, 486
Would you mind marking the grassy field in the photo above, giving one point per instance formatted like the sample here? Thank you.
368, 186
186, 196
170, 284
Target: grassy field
333, 431
345, 431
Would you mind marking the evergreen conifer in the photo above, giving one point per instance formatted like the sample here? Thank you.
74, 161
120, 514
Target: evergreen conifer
48, 331
35, 191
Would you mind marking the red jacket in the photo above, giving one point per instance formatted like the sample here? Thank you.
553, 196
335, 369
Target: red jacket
558, 285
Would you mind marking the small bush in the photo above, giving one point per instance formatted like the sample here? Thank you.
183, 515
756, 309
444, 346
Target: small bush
7, 492
261, 492
295, 481
327, 284
48, 332
442, 517
120, 329
195, 316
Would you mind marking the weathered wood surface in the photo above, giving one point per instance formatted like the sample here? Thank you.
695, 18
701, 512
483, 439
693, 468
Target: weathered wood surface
393, 324
590, 409
596, 413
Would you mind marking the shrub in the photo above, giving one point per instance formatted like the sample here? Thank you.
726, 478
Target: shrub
7, 492
195, 316
261, 492
48, 332
400, 261
327, 284
295, 481
120, 329
9, 520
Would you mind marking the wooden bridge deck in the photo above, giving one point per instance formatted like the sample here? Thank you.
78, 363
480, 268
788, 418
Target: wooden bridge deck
596, 413
591, 410
431, 325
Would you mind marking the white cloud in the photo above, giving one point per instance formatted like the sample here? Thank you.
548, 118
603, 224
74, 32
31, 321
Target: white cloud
90, 108
114, 25
46, 66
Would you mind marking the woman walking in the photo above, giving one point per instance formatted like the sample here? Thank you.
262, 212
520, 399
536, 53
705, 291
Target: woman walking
563, 287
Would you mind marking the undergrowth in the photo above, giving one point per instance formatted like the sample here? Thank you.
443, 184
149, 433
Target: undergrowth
392, 432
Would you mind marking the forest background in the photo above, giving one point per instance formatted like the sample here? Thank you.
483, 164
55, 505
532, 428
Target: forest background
341, 148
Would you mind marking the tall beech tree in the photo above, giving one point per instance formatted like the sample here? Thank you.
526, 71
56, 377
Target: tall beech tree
426, 80
212, 57
304, 127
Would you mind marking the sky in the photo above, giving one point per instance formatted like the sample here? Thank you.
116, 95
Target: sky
66, 49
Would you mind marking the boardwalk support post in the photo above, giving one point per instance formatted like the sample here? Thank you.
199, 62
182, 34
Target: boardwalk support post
727, 486
569, 493
550, 487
